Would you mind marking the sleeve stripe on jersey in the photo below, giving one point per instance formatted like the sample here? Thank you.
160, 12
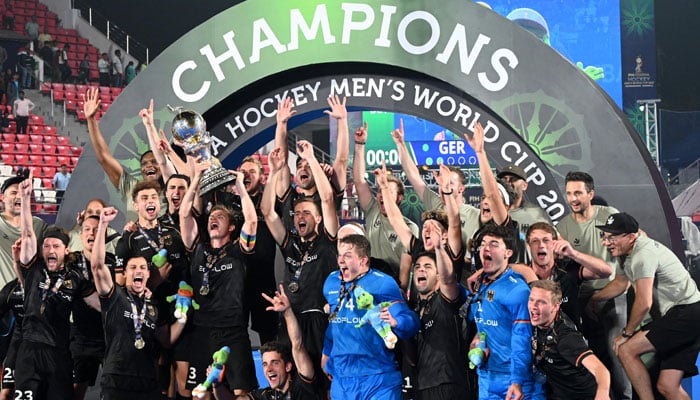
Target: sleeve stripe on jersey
583, 355
521, 321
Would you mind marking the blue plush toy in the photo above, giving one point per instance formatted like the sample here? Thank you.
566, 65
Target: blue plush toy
365, 301
183, 300
216, 373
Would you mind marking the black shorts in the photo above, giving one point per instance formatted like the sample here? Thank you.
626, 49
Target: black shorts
444, 391
43, 370
142, 389
240, 369
85, 369
675, 338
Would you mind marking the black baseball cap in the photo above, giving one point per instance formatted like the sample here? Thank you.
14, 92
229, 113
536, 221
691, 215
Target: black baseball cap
11, 181
512, 170
619, 223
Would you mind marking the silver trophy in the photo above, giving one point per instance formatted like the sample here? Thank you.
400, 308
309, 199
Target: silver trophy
190, 128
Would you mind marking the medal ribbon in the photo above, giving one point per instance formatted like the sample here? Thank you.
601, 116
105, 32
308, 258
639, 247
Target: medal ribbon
137, 317
211, 261
344, 295
47, 291
155, 246
304, 257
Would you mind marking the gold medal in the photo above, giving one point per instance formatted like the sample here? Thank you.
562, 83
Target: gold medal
293, 287
139, 343
204, 290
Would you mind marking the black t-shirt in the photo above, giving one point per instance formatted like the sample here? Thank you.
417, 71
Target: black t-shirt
133, 244
558, 352
569, 289
298, 389
312, 261
49, 298
122, 357
12, 300
224, 305
285, 204
442, 354
86, 329
170, 219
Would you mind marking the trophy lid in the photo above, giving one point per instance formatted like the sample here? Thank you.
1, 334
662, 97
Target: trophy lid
215, 178
187, 124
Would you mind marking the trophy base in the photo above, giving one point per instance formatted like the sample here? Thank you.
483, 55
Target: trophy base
214, 178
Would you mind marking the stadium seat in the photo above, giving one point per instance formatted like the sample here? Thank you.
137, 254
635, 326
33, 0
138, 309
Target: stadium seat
36, 159
69, 87
48, 172
22, 147
36, 148
63, 160
105, 90
50, 130
58, 95
7, 158
50, 160
57, 86
74, 161
63, 140
70, 105
76, 151
70, 95
22, 159
63, 150
105, 105
6, 170
48, 182
10, 137
49, 149
23, 138
45, 87
7, 148
36, 138
36, 119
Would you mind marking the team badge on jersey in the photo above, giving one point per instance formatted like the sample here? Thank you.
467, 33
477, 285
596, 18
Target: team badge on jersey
489, 295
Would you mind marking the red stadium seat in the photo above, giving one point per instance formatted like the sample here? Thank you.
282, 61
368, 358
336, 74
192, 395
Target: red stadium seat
23, 138
36, 159
58, 95
22, 147
51, 160
37, 138
74, 161
45, 87
50, 130
76, 151
49, 148
10, 137
7, 158
105, 90
48, 182
35, 148
7, 148
70, 95
63, 160
63, 150
105, 105
69, 87
63, 141
70, 105
22, 159
57, 86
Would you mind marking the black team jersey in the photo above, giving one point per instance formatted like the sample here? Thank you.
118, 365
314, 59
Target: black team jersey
87, 335
558, 352
442, 355
165, 235
49, 298
132, 369
307, 265
224, 305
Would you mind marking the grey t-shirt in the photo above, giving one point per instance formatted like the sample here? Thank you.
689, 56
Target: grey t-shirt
8, 236
585, 237
468, 215
672, 283
382, 237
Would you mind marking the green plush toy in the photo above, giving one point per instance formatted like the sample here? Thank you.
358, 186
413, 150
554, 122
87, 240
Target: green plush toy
183, 299
365, 301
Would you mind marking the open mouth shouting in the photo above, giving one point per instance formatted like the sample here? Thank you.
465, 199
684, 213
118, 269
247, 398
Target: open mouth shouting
151, 211
138, 281
52, 262
175, 200
150, 173
302, 228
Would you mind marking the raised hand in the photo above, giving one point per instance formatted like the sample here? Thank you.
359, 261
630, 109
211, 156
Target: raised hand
361, 134
279, 303
108, 214
27, 186
338, 110
476, 141
305, 150
285, 111
276, 159
397, 134
146, 114
92, 102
